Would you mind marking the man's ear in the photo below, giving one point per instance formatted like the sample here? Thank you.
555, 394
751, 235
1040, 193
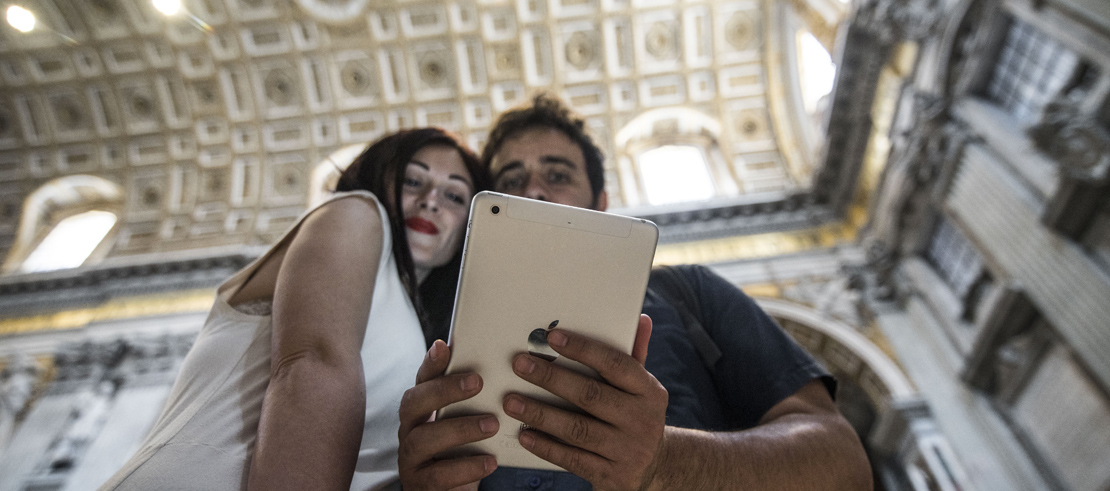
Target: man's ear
602, 201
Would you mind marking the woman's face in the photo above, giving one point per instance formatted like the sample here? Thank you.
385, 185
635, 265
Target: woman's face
435, 203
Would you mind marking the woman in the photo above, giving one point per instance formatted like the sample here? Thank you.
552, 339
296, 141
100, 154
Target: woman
306, 397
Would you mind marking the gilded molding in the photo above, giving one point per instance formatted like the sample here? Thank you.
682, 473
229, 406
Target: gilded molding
190, 301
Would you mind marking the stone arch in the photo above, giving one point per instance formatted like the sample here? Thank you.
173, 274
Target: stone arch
670, 126
799, 135
59, 199
951, 52
848, 353
903, 439
666, 123
326, 173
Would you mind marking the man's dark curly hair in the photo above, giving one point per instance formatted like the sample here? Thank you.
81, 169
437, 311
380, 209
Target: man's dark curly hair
548, 111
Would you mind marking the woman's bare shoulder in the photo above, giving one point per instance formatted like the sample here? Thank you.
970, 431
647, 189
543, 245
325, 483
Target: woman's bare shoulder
344, 230
349, 215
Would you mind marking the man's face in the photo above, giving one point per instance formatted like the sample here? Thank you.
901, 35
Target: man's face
543, 163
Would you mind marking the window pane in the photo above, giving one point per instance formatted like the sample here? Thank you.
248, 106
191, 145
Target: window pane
1031, 69
675, 173
816, 71
70, 243
954, 257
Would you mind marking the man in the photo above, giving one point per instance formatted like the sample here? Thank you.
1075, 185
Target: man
761, 418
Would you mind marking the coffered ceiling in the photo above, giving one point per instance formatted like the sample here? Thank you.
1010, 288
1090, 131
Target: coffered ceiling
211, 121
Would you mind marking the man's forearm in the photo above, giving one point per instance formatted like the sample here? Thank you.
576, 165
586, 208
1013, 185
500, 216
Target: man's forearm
795, 452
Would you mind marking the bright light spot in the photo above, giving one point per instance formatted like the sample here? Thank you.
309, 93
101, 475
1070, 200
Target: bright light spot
168, 7
816, 70
70, 243
674, 173
21, 19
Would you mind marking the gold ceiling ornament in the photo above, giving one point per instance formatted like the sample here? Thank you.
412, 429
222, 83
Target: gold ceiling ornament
661, 41
356, 77
433, 71
279, 87
506, 57
758, 246
752, 124
580, 51
69, 113
140, 104
182, 302
740, 30
288, 178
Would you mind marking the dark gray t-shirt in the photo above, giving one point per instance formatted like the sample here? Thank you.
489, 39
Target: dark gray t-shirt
761, 365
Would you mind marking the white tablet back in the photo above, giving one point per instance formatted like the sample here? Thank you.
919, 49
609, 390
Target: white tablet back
527, 265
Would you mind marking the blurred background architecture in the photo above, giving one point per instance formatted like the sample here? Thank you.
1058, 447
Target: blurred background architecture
916, 189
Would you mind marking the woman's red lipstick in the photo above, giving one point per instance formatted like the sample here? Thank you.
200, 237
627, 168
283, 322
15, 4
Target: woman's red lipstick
421, 225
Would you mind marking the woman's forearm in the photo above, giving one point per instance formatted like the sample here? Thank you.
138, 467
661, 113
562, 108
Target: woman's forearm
311, 425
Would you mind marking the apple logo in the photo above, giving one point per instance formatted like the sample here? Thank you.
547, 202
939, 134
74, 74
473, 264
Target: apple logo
537, 343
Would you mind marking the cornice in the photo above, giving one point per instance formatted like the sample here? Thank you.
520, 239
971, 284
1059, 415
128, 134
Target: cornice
23, 295
746, 215
828, 200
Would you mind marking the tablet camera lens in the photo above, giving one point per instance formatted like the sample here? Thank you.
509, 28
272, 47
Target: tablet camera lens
495, 209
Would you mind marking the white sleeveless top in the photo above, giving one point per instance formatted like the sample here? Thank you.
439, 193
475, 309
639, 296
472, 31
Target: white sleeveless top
205, 436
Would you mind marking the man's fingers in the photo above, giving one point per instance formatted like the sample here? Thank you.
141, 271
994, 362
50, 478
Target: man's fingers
421, 440
451, 474
619, 369
435, 362
595, 397
575, 460
574, 429
416, 453
643, 335
426, 441
419, 402
615, 444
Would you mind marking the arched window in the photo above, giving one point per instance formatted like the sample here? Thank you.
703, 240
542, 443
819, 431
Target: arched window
70, 243
66, 223
816, 73
802, 72
672, 155
674, 174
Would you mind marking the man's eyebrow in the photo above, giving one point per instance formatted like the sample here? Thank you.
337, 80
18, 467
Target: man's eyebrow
544, 159
558, 159
516, 164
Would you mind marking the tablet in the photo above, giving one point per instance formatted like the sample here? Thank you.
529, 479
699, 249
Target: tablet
529, 266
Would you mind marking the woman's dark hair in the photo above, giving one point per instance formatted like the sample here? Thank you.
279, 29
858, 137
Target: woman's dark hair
380, 169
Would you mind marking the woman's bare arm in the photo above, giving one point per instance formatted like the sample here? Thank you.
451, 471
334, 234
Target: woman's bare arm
312, 414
